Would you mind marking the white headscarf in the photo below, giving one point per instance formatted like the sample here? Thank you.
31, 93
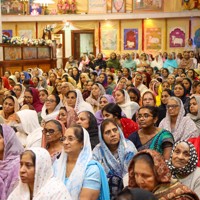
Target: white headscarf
129, 108
46, 117
46, 187
184, 129
81, 105
31, 129
75, 181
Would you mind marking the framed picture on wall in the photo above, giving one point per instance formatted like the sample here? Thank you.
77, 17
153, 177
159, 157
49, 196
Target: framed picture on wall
153, 38
176, 38
148, 4
44, 52
118, 6
109, 39
97, 6
130, 39
12, 53
11, 7
29, 53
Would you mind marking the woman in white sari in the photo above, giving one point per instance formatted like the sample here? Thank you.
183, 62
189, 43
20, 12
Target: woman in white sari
37, 181
51, 108
76, 101
128, 107
28, 127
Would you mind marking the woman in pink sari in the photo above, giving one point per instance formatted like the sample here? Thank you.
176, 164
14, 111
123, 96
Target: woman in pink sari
10, 150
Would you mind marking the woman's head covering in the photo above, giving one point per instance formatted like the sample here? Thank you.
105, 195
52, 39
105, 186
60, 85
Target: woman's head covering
75, 181
45, 185
190, 166
30, 125
196, 118
36, 101
126, 151
13, 77
43, 83
161, 170
81, 105
10, 165
109, 98
45, 116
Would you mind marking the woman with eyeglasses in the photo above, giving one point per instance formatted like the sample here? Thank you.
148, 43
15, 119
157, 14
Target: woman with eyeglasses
83, 177
114, 152
50, 110
149, 136
36, 178
51, 139
181, 126
148, 99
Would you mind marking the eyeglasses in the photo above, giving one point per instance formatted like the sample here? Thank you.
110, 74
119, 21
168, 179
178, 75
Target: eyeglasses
149, 99
172, 106
50, 131
145, 116
50, 100
69, 139
17, 89
108, 132
26, 97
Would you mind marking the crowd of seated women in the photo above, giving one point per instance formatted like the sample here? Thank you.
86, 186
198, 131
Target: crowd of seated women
122, 128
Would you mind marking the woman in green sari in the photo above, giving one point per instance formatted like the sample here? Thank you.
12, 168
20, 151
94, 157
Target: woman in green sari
149, 136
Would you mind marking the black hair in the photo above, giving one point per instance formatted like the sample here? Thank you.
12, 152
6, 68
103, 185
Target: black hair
1, 130
29, 90
57, 123
114, 109
122, 91
33, 156
105, 123
78, 132
71, 91
111, 76
136, 92
153, 110
10, 97
57, 98
18, 84
168, 91
45, 91
144, 156
65, 76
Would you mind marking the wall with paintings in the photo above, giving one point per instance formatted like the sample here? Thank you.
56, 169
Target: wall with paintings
149, 35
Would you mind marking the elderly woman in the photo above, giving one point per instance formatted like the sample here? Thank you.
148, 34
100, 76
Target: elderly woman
97, 91
88, 121
75, 100
10, 106
83, 177
10, 150
183, 165
128, 107
37, 180
51, 108
149, 136
181, 127
149, 171
52, 133
65, 87
114, 152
